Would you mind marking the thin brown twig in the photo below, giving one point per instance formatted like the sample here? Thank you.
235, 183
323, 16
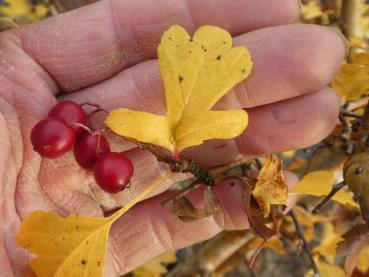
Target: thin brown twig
334, 190
300, 233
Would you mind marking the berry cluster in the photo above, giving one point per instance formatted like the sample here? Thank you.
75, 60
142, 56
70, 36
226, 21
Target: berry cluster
64, 128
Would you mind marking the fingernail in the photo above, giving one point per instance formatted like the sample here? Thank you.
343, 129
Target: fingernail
344, 40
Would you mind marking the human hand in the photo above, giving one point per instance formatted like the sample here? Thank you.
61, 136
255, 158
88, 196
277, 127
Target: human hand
104, 53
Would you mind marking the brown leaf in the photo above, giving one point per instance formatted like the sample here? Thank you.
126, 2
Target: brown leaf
354, 241
254, 214
186, 211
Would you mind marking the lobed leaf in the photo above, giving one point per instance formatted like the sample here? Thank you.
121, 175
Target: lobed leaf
196, 72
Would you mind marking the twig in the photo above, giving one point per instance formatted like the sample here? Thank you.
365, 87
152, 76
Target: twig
334, 190
301, 235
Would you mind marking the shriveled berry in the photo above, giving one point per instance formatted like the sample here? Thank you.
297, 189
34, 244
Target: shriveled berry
70, 112
89, 147
113, 171
51, 138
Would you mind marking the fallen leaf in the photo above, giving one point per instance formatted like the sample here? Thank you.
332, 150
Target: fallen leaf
155, 267
74, 245
319, 183
196, 72
270, 188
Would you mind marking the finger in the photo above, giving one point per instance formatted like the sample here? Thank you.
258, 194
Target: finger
286, 125
93, 43
288, 61
149, 229
281, 126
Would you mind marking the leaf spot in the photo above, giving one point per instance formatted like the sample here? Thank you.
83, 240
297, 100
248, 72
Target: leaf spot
180, 78
83, 262
219, 57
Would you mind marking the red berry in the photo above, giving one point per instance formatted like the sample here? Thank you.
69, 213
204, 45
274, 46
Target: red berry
113, 171
51, 138
89, 147
69, 112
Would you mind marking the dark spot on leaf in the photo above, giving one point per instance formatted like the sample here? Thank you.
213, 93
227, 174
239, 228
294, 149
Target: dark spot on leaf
219, 57
98, 263
77, 227
177, 45
190, 51
203, 48
180, 78
87, 241
224, 42
170, 38
83, 262
190, 39
243, 70
231, 184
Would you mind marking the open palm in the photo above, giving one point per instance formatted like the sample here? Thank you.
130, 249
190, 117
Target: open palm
104, 53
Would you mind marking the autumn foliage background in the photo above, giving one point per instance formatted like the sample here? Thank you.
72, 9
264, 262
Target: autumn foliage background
283, 255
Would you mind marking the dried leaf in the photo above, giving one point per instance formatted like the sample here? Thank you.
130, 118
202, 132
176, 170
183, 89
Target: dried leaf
186, 211
319, 183
197, 72
156, 267
254, 214
71, 246
354, 241
270, 188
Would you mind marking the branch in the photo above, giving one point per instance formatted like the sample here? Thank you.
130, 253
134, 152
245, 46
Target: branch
300, 233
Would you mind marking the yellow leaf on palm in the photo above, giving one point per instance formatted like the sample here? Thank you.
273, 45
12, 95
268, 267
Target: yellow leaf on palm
319, 183
72, 246
196, 72
270, 187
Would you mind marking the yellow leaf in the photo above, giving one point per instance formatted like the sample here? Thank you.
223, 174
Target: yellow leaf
310, 11
156, 267
71, 246
363, 260
328, 243
196, 72
319, 183
270, 188
352, 81
328, 270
